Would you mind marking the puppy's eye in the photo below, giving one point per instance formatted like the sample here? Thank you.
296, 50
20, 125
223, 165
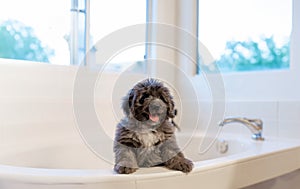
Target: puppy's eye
143, 98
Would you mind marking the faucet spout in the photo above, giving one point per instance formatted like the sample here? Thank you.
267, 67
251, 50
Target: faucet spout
254, 125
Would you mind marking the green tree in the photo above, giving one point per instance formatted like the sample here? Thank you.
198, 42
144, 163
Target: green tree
18, 41
250, 55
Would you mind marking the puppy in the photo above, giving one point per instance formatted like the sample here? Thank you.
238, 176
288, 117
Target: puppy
145, 136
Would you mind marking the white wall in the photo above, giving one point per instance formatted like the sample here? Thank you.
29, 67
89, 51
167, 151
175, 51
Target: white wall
35, 103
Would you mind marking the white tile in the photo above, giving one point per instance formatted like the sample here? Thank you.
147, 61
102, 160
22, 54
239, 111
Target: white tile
289, 129
252, 109
289, 111
289, 119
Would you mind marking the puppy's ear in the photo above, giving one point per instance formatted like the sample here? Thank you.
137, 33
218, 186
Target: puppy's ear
171, 111
127, 102
167, 97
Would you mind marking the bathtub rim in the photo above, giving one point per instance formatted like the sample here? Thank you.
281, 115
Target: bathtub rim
80, 176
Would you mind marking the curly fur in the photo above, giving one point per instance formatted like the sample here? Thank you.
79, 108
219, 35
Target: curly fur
145, 137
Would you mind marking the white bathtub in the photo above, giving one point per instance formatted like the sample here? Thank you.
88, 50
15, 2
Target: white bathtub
74, 166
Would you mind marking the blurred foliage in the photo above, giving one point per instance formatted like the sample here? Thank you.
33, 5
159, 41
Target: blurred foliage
18, 41
250, 55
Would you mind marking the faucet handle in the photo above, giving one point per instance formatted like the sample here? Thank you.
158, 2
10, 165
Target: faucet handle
257, 122
259, 126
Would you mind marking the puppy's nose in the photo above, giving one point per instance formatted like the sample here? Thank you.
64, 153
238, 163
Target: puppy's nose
155, 105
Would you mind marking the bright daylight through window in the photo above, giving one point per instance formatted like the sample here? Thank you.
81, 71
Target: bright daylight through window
35, 30
106, 18
42, 31
248, 35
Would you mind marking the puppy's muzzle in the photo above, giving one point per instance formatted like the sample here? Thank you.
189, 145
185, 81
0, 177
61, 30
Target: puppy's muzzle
157, 110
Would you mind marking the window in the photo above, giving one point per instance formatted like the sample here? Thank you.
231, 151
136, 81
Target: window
35, 30
62, 31
110, 16
248, 35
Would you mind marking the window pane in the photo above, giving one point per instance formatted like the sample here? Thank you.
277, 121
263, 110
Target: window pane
246, 35
35, 30
109, 16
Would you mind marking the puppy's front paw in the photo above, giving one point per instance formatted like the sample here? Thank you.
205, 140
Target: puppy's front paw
180, 164
124, 170
186, 165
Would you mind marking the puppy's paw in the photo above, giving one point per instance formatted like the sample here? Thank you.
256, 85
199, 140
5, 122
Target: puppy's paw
186, 165
124, 170
180, 164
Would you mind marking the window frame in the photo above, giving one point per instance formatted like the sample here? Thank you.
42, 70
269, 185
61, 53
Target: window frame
79, 8
87, 59
230, 71
271, 85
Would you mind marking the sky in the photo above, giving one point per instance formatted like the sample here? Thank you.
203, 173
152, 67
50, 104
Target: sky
219, 21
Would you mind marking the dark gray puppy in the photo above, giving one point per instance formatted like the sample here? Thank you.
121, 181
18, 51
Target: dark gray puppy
145, 137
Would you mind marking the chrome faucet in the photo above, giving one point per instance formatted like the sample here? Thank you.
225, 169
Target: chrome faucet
255, 125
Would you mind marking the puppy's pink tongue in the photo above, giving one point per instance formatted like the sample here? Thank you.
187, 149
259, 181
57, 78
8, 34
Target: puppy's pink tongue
154, 118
